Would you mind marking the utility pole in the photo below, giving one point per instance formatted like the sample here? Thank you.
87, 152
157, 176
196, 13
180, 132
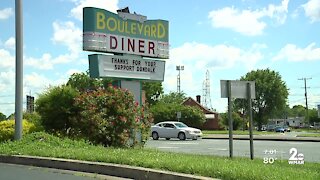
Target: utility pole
306, 95
179, 68
19, 71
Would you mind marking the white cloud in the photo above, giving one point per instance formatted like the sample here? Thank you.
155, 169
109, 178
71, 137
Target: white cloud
44, 63
72, 71
6, 13
6, 60
293, 53
312, 10
248, 22
66, 33
37, 81
10, 43
197, 58
7, 81
215, 57
77, 12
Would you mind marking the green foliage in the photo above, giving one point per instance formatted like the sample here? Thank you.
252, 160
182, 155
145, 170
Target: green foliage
2, 116
7, 129
83, 82
44, 145
271, 95
297, 111
34, 118
173, 97
110, 117
313, 116
238, 122
191, 116
56, 108
153, 91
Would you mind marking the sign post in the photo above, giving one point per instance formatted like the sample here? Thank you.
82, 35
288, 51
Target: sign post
243, 90
250, 119
230, 119
131, 38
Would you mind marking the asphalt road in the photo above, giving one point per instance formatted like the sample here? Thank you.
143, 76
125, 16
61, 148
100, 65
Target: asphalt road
278, 150
21, 172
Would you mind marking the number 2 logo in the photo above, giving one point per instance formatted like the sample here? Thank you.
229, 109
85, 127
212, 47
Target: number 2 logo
294, 155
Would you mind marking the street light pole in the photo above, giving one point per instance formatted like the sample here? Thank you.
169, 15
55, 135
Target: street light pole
179, 68
19, 71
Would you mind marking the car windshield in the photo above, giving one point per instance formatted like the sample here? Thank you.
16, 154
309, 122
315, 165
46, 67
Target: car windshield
180, 125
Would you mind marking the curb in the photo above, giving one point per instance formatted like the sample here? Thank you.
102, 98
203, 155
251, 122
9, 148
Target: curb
262, 138
118, 170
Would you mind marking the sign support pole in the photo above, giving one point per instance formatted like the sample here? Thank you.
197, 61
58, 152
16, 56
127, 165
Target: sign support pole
250, 120
19, 71
230, 119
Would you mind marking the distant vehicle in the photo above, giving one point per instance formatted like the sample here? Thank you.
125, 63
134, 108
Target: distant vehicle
279, 129
174, 129
286, 128
270, 127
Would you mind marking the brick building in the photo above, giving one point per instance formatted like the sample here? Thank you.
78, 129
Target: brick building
212, 118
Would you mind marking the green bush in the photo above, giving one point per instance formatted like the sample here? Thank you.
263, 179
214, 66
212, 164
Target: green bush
56, 108
237, 120
191, 116
34, 118
7, 129
110, 117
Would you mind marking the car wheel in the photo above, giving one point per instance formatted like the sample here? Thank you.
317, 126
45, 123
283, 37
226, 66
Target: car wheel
155, 136
167, 138
181, 136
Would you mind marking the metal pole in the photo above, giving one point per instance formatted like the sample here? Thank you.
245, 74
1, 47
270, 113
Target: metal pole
306, 96
250, 120
230, 120
19, 71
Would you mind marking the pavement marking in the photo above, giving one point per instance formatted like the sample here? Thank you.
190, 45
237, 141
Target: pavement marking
295, 143
218, 149
167, 147
184, 143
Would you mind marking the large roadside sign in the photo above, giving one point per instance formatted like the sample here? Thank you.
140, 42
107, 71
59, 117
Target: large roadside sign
126, 67
238, 89
104, 31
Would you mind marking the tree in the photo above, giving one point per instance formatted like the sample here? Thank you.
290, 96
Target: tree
297, 111
237, 120
167, 107
56, 108
2, 116
153, 91
173, 97
82, 82
271, 95
313, 116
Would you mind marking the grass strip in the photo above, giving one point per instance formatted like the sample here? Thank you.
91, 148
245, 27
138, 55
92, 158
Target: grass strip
42, 144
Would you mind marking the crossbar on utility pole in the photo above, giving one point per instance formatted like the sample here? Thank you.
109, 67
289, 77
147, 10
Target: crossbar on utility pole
19, 71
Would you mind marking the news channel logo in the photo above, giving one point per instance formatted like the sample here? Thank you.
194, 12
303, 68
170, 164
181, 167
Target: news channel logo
295, 157
271, 155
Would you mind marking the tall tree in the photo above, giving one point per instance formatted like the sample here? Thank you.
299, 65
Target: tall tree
2, 116
271, 95
313, 116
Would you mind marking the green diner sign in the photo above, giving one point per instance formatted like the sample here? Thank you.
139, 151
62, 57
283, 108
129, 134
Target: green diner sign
104, 31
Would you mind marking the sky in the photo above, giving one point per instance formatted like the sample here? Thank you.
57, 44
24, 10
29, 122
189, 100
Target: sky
228, 38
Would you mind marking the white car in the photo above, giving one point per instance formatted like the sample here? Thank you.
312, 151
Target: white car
173, 129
